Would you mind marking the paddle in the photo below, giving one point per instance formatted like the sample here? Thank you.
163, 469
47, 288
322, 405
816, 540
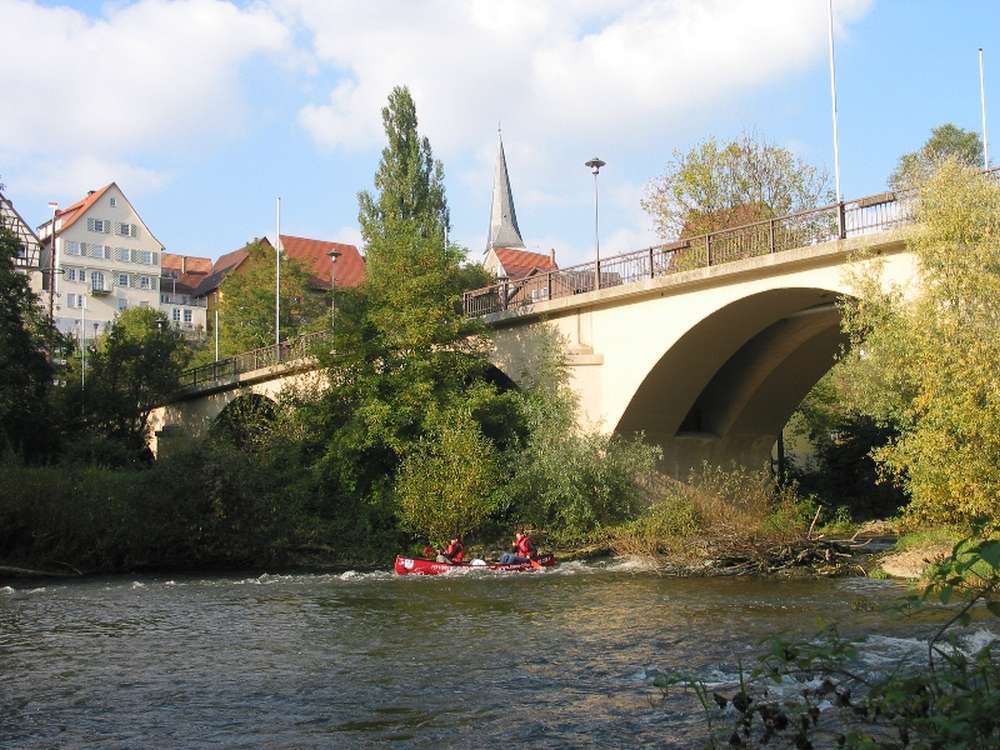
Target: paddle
535, 564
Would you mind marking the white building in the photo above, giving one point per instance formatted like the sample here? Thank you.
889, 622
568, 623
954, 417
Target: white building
106, 260
182, 275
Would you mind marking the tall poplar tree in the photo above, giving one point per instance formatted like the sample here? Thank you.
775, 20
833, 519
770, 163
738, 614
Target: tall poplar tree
403, 366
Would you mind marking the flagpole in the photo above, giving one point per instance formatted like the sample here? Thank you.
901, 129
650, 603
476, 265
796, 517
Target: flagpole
277, 278
982, 106
833, 98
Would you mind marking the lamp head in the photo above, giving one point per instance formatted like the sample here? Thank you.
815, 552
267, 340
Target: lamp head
334, 254
595, 165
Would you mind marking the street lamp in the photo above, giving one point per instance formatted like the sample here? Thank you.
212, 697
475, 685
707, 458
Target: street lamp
595, 165
54, 205
334, 254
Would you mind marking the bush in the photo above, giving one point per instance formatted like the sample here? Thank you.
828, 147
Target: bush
717, 513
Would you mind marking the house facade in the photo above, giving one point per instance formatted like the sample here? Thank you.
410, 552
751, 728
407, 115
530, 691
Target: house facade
105, 259
180, 277
27, 259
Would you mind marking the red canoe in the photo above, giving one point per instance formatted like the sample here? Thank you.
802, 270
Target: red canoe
407, 566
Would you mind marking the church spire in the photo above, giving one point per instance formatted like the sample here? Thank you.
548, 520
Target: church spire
503, 220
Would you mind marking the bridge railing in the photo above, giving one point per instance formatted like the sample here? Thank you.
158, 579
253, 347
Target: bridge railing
868, 215
266, 356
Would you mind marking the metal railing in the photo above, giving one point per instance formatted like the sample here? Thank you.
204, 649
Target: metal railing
266, 356
868, 215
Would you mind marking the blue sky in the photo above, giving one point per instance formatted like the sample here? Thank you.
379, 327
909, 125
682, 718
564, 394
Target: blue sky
203, 111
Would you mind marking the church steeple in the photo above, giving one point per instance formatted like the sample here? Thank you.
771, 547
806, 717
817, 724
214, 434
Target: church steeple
503, 220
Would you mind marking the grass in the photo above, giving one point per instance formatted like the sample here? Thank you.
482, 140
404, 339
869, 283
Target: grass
719, 512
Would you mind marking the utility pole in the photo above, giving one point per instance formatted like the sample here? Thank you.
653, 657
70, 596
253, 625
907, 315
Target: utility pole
833, 99
277, 281
982, 106
52, 263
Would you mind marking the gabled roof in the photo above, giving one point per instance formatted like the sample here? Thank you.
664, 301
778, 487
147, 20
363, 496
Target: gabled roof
183, 273
73, 213
70, 214
185, 263
504, 231
315, 259
520, 263
225, 265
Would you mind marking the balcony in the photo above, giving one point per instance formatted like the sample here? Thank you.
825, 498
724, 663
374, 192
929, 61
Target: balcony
100, 290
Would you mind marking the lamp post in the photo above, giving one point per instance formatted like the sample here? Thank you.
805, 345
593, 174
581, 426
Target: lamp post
595, 165
277, 279
334, 254
52, 263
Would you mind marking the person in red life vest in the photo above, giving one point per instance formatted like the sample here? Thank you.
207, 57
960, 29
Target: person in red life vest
524, 550
453, 553
429, 551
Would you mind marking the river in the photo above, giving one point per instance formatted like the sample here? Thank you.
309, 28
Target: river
561, 658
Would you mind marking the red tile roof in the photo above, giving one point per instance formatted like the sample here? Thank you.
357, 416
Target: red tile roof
185, 281
70, 214
189, 263
315, 259
223, 266
521, 263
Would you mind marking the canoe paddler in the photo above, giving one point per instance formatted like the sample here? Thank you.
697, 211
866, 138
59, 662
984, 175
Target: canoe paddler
453, 553
524, 550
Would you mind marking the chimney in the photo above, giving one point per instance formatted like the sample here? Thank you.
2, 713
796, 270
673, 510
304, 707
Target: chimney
184, 259
552, 255
91, 192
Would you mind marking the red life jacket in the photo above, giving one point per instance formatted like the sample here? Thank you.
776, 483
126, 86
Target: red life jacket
455, 551
524, 547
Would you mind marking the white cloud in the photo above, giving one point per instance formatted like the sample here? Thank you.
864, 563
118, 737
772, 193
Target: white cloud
549, 69
140, 76
73, 177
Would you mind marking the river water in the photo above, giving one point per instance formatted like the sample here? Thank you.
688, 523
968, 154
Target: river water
560, 658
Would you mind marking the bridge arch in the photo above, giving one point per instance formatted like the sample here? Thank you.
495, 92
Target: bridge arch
724, 388
242, 419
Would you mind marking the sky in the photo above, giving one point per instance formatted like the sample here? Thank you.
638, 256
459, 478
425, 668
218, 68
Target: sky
203, 111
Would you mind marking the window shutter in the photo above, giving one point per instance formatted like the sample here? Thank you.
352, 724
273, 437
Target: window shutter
107, 227
90, 225
107, 252
156, 259
133, 230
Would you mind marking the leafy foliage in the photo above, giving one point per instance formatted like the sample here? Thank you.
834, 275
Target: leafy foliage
719, 512
28, 347
448, 485
246, 302
925, 356
946, 142
714, 186
131, 371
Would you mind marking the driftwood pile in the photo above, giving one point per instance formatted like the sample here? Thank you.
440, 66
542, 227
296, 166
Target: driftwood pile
819, 557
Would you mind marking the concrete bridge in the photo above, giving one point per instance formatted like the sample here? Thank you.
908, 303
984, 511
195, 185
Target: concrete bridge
706, 345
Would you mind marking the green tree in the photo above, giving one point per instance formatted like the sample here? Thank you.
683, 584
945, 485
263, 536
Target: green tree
27, 343
925, 356
448, 483
714, 186
131, 371
246, 302
946, 142
401, 354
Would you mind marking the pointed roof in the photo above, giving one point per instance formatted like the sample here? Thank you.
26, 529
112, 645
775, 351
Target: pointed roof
503, 220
